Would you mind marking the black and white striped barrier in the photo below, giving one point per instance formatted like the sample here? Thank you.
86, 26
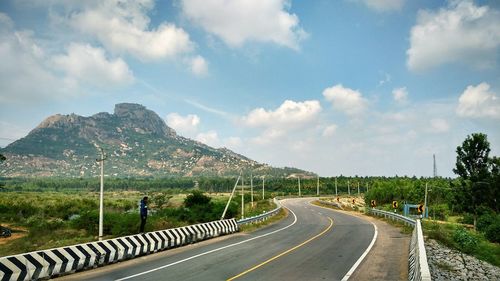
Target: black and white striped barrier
65, 260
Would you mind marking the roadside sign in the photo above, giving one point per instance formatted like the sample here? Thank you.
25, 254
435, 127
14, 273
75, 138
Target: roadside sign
420, 208
395, 204
373, 203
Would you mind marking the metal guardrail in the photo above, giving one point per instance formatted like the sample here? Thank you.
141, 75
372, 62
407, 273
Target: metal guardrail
418, 268
263, 216
393, 216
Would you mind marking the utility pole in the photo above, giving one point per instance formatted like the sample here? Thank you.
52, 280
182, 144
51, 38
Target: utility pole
101, 194
251, 188
435, 168
230, 197
425, 202
336, 194
317, 187
299, 187
263, 193
242, 200
358, 188
348, 188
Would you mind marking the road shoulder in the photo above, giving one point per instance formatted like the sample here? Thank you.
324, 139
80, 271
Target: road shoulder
388, 259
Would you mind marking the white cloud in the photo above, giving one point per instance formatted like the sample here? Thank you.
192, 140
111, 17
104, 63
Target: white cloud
289, 114
478, 102
384, 5
328, 131
439, 125
184, 125
90, 65
210, 138
10, 132
6, 21
400, 95
123, 27
387, 79
461, 32
199, 66
24, 74
349, 101
239, 21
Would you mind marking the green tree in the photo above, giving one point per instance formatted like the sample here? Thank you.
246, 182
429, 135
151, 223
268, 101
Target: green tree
472, 166
495, 182
2, 158
472, 158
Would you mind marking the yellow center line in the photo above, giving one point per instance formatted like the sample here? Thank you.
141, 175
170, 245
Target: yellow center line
284, 253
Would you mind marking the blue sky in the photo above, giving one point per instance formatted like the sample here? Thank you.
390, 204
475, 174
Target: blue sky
352, 87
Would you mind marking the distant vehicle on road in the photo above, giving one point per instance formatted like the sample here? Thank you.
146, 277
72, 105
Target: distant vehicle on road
5, 232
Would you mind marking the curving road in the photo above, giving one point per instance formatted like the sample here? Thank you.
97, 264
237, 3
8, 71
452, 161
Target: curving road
312, 243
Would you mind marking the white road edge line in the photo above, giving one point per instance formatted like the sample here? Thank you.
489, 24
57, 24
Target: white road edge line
362, 257
211, 251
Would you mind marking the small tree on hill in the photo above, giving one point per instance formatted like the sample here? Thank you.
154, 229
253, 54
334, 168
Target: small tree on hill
2, 158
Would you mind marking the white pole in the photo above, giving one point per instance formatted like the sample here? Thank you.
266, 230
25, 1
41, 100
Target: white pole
242, 200
299, 187
317, 187
230, 197
358, 188
336, 194
263, 193
251, 188
348, 188
101, 197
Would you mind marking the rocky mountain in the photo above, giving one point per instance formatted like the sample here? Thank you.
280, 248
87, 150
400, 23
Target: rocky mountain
137, 143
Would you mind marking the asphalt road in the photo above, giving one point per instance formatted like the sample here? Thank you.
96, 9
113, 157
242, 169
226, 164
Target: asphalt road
312, 243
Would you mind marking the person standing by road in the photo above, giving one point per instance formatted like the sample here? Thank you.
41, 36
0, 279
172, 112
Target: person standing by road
144, 212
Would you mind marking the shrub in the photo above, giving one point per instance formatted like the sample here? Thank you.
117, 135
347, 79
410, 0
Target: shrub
440, 211
466, 242
196, 198
493, 231
88, 220
484, 221
467, 219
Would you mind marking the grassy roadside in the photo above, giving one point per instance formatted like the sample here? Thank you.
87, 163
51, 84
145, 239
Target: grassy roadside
54, 219
467, 241
283, 213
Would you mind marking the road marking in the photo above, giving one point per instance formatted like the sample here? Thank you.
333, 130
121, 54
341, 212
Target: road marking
283, 253
362, 257
353, 268
211, 251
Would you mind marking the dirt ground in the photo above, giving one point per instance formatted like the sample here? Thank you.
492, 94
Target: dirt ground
17, 232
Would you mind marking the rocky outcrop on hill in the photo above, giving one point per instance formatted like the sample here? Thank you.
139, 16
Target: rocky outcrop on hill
136, 140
